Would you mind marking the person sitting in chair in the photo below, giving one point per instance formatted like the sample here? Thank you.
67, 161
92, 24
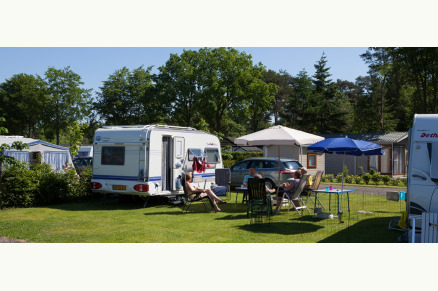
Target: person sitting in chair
194, 191
287, 188
251, 175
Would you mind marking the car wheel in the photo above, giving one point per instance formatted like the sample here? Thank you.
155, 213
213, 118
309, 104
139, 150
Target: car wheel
269, 184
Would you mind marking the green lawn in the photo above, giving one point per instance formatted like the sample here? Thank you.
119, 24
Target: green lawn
118, 221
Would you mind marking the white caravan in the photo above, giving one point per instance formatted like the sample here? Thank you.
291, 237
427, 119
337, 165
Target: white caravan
148, 160
422, 193
85, 152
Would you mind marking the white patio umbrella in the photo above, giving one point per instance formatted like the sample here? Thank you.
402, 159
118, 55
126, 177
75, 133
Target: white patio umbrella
278, 135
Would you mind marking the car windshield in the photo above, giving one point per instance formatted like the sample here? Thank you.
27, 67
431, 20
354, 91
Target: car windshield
292, 165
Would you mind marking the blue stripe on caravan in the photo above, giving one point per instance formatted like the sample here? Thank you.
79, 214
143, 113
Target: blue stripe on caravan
157, 178
205, 175
109, 177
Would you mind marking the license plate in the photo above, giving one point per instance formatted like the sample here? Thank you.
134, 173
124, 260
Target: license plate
119, 187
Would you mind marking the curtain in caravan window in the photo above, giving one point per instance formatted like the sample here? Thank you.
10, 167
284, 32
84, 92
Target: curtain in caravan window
56, 158
18, 155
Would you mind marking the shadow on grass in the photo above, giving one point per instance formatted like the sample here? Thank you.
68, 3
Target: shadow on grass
372, 230
285, 228
309, 218
233, 217
122, 203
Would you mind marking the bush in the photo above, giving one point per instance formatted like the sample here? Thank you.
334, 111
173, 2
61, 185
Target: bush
349, 179
25, 186
372, 172
228, 163
376, 178
19, 186
358, 179
366, 178
323, 178
361, 171
329, 177
404, 181
386, 179
345, 171
339, 177
395, 181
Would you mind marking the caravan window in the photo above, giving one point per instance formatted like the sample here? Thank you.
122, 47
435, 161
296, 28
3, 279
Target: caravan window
179, 148
196, 153
113, 156
212, 156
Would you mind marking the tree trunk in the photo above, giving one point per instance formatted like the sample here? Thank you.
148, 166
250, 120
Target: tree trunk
382, 106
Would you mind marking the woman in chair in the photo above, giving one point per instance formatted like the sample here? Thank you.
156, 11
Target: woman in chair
288, 188
193, 191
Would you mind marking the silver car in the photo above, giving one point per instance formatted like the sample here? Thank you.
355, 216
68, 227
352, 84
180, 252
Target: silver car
267, 166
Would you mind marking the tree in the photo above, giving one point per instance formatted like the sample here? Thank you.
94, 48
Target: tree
301, 102
20, 95
67, 100
330, 109
261, 97
421, 67
282, 81
125, 97
178, 88
74, 134
226, 76
380, 65
366, 117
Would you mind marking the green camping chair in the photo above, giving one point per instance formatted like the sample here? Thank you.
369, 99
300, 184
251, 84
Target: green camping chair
259, 203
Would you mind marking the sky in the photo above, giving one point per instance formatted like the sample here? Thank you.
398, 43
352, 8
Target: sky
95, 64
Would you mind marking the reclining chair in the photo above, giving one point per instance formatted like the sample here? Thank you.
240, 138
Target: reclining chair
189, 200
296, 201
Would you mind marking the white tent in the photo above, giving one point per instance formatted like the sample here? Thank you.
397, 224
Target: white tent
52, 154
278, 135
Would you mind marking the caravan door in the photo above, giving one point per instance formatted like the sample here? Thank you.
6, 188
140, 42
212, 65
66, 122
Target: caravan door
178, 156
423, 178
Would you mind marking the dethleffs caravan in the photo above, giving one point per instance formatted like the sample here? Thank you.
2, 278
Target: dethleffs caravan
422, 191
149, 160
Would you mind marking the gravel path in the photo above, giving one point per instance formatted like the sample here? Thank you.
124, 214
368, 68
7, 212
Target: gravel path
365, 189
7, 240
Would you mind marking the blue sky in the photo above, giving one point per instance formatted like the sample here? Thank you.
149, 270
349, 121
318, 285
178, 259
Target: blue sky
95, 64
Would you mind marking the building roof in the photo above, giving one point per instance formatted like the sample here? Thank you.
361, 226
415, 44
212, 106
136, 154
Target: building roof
377, 137
247, 149
10, 139
228, 141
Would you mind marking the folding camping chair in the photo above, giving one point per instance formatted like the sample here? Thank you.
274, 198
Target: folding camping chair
315, 186
189, 200
296, 201
223, 179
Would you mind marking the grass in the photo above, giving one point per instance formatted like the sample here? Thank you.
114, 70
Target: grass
127, 222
